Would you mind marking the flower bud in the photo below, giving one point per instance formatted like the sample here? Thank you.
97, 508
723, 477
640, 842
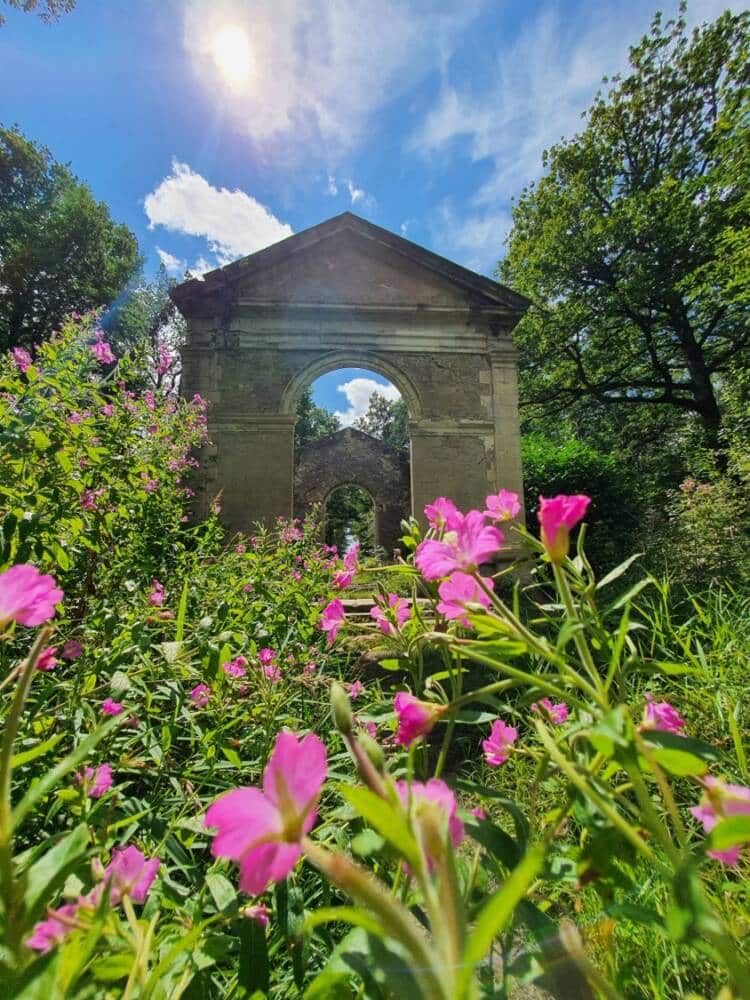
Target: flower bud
373, 750
342, 709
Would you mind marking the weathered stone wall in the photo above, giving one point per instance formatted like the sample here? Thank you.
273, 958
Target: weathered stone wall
351, 457
259, 335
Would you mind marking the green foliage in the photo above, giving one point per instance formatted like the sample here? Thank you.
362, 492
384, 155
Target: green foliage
350, 516
631, 246
48, 10
388, 420
313, 421
61, 250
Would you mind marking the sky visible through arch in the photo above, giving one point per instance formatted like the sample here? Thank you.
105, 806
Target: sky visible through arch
347, 392
214, 128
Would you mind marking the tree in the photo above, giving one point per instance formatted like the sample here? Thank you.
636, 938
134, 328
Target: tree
313, 421
388, 420
60, 250
51, 10
620, 245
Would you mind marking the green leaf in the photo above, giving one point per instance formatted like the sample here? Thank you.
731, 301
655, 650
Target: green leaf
38, 751
680, 762
222, 891
497, 912
51, 870
181, 612
617, 572
730, 832
112, 968
610, 734
232, 756
367, 843
384, 818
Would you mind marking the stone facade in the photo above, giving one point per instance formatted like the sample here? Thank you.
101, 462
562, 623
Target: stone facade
347, 293
351, 457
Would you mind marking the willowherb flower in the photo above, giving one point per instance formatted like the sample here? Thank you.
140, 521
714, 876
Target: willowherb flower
72, 649
96, 782
27, 596
89, 498
443, 514
497, 748
557, 712
259, 913
478, 813
557, 516
156, 597
107, 410
343, 578
22, 358
425, 800
721, 800
47, 933
47, 660
460, 590
266, 656
273, 672
661, 715
103, 353
465, 547
262, 830
503, 506
332, 619
351, 558
110, 707
355, 689
200, 695
415, 718
130, 873
236, 667
392, 618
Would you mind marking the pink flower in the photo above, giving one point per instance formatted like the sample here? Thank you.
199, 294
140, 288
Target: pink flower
351, 557
27, 596
47, 660
503, 506
458, 591
75, 417
88, 499
150, 485
393, 617
239, 549
259, 913
557, 712
262, 830
266, 656
72, 650
130, 874
22, 358
443, 513
356, 688
297, 575
662, 716
721, 800
415, 718
557, 516
370, 728
236, 667
200, 695
165, 361
103, 353
248, 587
107, 410
110, 707
464, 547
332, 619
343, 578
478, 813
421, 798
498, 747
51, 931
309, 669
156, 597
96, 782
272, 672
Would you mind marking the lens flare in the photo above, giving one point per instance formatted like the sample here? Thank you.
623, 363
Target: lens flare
232, 54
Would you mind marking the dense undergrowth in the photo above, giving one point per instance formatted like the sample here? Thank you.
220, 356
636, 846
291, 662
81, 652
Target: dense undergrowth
486, 789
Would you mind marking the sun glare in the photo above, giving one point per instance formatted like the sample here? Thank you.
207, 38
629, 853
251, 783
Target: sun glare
231, 52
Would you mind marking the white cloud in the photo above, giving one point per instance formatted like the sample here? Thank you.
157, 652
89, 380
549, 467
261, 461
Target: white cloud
320, 69
358, 392
172, 264
233, 222
333, 188
533, 94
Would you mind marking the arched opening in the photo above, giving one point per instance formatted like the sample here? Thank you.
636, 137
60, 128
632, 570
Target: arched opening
349, 519
352, 454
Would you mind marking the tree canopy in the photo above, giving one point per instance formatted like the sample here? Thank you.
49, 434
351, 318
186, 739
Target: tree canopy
313, 421
48, 10
633, 247
60, 249
388, 420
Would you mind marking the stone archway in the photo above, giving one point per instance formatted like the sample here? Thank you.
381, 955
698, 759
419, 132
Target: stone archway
352, 458
348, 293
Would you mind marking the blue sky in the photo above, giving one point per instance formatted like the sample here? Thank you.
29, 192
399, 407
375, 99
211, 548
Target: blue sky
215, 127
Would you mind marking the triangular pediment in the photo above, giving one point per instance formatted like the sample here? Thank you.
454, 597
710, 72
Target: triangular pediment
348, 261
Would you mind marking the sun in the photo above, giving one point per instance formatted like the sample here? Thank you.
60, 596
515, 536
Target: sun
232, 54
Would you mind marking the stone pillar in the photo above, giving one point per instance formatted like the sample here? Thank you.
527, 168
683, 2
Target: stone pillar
450, 459
508, 472
255, 467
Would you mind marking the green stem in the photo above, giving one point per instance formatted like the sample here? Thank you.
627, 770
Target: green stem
664, 788
649, 812
578, 637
